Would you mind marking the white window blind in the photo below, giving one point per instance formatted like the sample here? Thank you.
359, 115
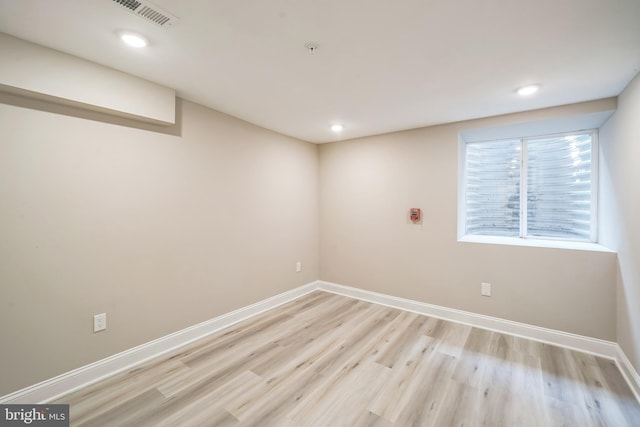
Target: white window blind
493, 188
538, 187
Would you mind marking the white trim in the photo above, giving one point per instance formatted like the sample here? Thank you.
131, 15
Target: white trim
628, 371
581, 343
537, 243
69, 381
462, 187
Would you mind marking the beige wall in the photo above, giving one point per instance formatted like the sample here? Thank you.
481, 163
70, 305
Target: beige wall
161, 228
620, 146
368, 185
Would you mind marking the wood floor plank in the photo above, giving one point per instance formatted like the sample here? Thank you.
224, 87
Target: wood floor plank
283, 382
561, 376
526, 389
459, 407
452, 337
349, 400
218, 370
393, 353
329, 360
369, 419
106, 395
426, 396
476, 350
402, 381
239, 335
308, 328
352, 355
288, 378
617, 390
325, 406
209, 409
126, 413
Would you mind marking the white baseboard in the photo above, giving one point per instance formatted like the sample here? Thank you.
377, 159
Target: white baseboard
50, 389
628, 372
550, 336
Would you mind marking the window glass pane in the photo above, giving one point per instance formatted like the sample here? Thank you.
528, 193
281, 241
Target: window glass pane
493, 188
559, 187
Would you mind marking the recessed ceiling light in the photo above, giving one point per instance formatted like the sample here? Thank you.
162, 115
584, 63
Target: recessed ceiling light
337, 128
134, 40
528, 90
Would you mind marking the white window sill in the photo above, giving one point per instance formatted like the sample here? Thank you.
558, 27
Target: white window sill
516, 241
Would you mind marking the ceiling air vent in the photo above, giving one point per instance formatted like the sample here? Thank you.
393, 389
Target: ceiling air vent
149, 11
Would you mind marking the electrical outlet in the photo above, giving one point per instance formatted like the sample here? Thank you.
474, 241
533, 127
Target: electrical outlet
298, 267
485, 289
99, 322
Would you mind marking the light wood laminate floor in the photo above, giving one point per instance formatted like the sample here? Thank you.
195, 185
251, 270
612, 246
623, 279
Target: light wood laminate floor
329, 360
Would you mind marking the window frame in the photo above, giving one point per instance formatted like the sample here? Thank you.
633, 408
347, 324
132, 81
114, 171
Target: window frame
523, 232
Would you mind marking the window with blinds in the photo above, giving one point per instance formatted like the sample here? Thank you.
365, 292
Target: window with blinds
540, 187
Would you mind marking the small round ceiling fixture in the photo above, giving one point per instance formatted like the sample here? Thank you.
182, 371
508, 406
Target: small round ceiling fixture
337, 127
133, 39
311, 47
528, 90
